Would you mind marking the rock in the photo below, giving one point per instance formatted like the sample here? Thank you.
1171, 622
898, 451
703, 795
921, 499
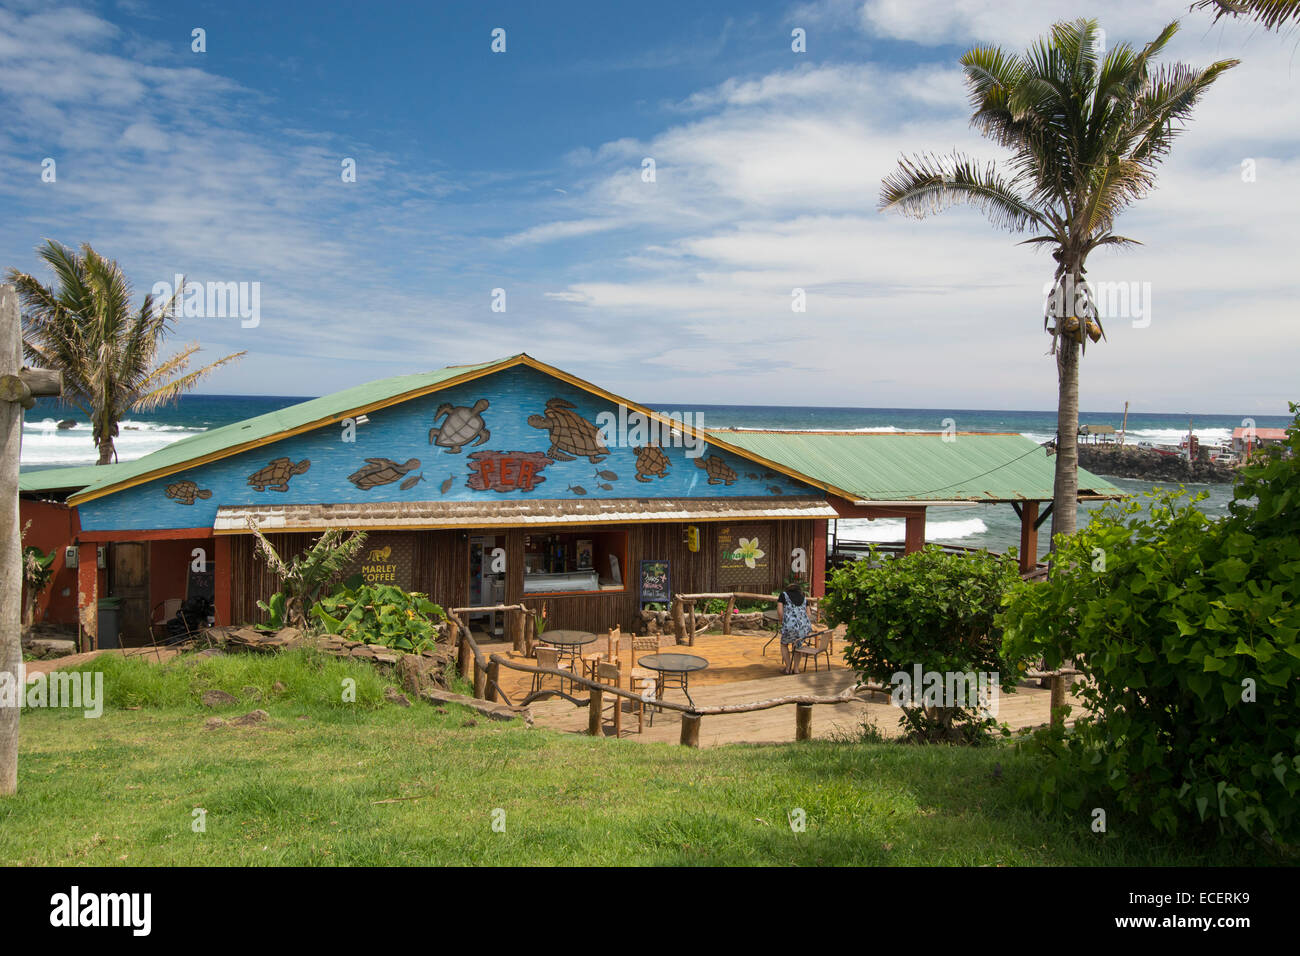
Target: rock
252, 693
218, 698
66, 423
277, 688
247, 639
496, 711
364, 652
212, 723
382, 658
50, 647
395, 696
250, 718
419, 672
469, 723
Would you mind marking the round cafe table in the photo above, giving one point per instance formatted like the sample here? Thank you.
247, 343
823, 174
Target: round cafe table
674, 670
568, 643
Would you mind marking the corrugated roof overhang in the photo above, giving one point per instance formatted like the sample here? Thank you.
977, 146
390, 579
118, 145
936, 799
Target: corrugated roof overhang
432, 515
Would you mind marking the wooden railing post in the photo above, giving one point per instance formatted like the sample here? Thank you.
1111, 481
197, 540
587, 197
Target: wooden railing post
690, 622
493, 678
690, 730
464, 655
517, 621
593, 712
679, 621
726, 615
803, 721
480, 680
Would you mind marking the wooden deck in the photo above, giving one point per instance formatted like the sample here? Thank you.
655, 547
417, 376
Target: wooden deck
739, 673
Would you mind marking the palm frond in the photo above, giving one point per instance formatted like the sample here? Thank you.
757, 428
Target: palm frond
1273, 14
927, 184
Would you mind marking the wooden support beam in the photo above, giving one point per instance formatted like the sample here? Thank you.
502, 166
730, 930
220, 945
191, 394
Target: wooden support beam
464, 655
11, 563
1028, 535
1047, 513
914, 539
493, 681
480, 681
726, 616
42, 382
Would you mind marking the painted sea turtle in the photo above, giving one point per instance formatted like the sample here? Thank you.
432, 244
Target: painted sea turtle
381, 471
464, 426
275, 476
718, 470
651, 462
186, 491
569, 433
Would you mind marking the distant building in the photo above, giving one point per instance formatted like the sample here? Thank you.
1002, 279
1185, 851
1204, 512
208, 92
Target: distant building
1105, 433
1245, 440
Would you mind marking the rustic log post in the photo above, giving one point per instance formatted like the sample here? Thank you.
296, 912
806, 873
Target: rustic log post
515, 620
593, 712
463, 653
690, 622
690, 730
803, 721
480, 681
493, 677
1058, 700
679, 621
726, 615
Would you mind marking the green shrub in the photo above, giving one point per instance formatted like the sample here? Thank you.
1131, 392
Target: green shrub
404, 620
928, 609
1186, 629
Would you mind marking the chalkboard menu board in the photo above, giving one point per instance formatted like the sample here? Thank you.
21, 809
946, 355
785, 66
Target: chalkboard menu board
656, 583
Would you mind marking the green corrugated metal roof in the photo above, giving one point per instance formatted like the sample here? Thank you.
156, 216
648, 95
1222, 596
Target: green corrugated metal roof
228, 439
66, 479
911, 466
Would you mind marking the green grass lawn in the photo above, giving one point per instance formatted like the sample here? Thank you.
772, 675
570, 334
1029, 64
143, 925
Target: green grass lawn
328, 782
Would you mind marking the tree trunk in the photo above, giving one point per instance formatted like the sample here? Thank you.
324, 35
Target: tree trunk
11, 563
1065, 490
106, 451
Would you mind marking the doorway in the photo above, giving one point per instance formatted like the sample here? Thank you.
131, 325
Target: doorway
487, 579
129, 582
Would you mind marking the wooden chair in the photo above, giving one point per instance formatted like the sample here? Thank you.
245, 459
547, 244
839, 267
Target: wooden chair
549, 657
609, 652
611, 672
823, 646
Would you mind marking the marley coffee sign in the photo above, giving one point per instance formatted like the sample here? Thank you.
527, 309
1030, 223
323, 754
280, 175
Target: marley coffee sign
743, 562
387, 559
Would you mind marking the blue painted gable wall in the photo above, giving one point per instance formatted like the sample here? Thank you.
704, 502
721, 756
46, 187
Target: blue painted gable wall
400, 433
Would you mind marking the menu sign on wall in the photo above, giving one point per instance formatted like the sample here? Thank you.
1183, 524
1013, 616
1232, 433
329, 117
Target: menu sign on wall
656, 583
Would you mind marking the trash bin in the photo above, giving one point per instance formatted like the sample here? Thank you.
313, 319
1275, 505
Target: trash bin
109, 628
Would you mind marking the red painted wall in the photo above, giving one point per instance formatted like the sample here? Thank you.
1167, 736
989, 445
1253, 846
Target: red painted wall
53, 528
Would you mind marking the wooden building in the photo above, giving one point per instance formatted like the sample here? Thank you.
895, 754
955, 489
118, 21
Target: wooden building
510, 481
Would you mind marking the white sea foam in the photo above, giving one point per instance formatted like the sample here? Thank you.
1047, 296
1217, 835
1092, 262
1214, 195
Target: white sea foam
890, 530
45, 444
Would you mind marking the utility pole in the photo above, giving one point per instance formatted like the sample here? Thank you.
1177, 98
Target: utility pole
1123, 428
18, 390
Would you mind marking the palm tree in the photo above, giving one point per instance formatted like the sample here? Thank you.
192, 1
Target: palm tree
1085, 131
1274, 14
107, 352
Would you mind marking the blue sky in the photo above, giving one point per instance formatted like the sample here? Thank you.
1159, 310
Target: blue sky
522, 171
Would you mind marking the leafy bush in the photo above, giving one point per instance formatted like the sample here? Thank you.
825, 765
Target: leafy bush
1186, 629
928, 609
305, 576
382, 614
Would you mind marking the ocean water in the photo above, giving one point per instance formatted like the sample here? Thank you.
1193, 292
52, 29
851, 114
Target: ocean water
991, 526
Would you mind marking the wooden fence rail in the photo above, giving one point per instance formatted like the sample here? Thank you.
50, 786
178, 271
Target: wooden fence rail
683, 611
485, 672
